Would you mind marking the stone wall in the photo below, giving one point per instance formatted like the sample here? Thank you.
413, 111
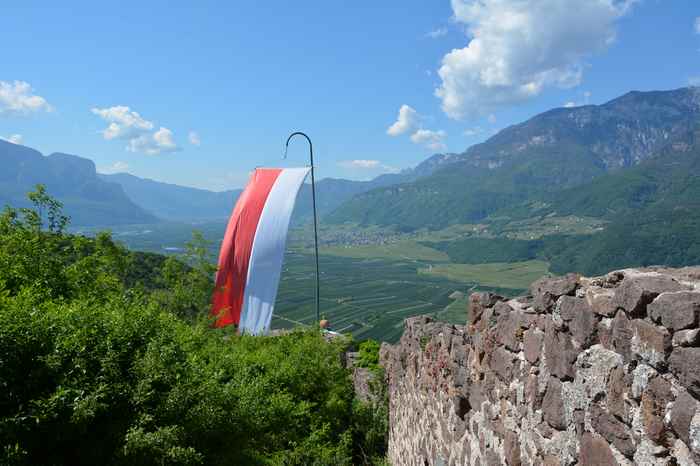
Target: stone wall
588, 371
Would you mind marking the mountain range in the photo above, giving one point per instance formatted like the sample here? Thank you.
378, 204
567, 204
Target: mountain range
95, 199
631, 164
73, 180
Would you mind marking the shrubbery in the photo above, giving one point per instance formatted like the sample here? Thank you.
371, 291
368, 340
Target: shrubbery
105, 358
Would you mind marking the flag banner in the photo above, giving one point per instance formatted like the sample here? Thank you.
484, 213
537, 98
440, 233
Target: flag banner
250, 261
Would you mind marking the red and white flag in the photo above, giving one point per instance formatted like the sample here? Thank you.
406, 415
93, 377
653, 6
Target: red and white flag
250, 261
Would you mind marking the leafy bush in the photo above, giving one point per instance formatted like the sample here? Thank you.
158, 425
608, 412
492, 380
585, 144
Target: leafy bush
107, 357
369, 354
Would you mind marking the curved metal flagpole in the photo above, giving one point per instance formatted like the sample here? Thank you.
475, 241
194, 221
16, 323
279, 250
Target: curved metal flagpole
313, 200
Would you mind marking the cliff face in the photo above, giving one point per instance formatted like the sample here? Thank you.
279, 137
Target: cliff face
588, 371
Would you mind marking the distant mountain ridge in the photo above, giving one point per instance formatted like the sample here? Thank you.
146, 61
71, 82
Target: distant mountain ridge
558, 149
174, 202
73, 180
94, 199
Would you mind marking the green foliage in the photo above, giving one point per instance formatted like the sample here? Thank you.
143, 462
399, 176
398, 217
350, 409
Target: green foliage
106, 358
369, 354
371, 424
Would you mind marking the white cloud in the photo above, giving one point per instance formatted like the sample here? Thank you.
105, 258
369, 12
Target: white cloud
437, 33
361, 164
433, 140
13, 138
517, 48
406, 121
153, 143
17, 98
126, 124
696, 25
570, 104
116, 167
194, 138
694, 81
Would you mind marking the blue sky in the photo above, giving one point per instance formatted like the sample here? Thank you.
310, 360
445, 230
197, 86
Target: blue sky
216, 88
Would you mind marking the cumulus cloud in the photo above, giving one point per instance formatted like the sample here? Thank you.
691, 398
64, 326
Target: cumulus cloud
696, 25
140, 134
405, 122
194, 138
517, 48
116, 167
433, 140
18, 97
14, 138
437, 33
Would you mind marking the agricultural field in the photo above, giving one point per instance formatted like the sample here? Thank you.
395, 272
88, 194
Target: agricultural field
515, 275
371, 279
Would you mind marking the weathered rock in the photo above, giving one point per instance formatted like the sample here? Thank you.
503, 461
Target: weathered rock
654, 401
683, 410
478, 302
650, 343
639, 289
686, 338
676, 310
612, 430
553, 405
502, 363
595, 452
684, 363
617, 388
600, 301
519, 385
509, 332
641, 375
621, 335
511, 446
532, 344
580, 318
559, 353
547, 290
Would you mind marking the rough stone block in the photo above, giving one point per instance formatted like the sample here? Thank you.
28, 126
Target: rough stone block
532, 344
547, 290
553, 405
621, 335
654, 400
595, 451
650, 343
639, 289
559, 353
478, 302
511, 446
618, 386
600, 301
683, 410
684, 363
676, 311
686, 338
580, 318
612, 430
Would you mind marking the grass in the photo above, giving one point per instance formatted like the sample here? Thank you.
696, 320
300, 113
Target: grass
401, 250
517, 275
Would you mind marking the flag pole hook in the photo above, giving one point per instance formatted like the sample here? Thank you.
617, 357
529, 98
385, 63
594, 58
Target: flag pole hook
313, 201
